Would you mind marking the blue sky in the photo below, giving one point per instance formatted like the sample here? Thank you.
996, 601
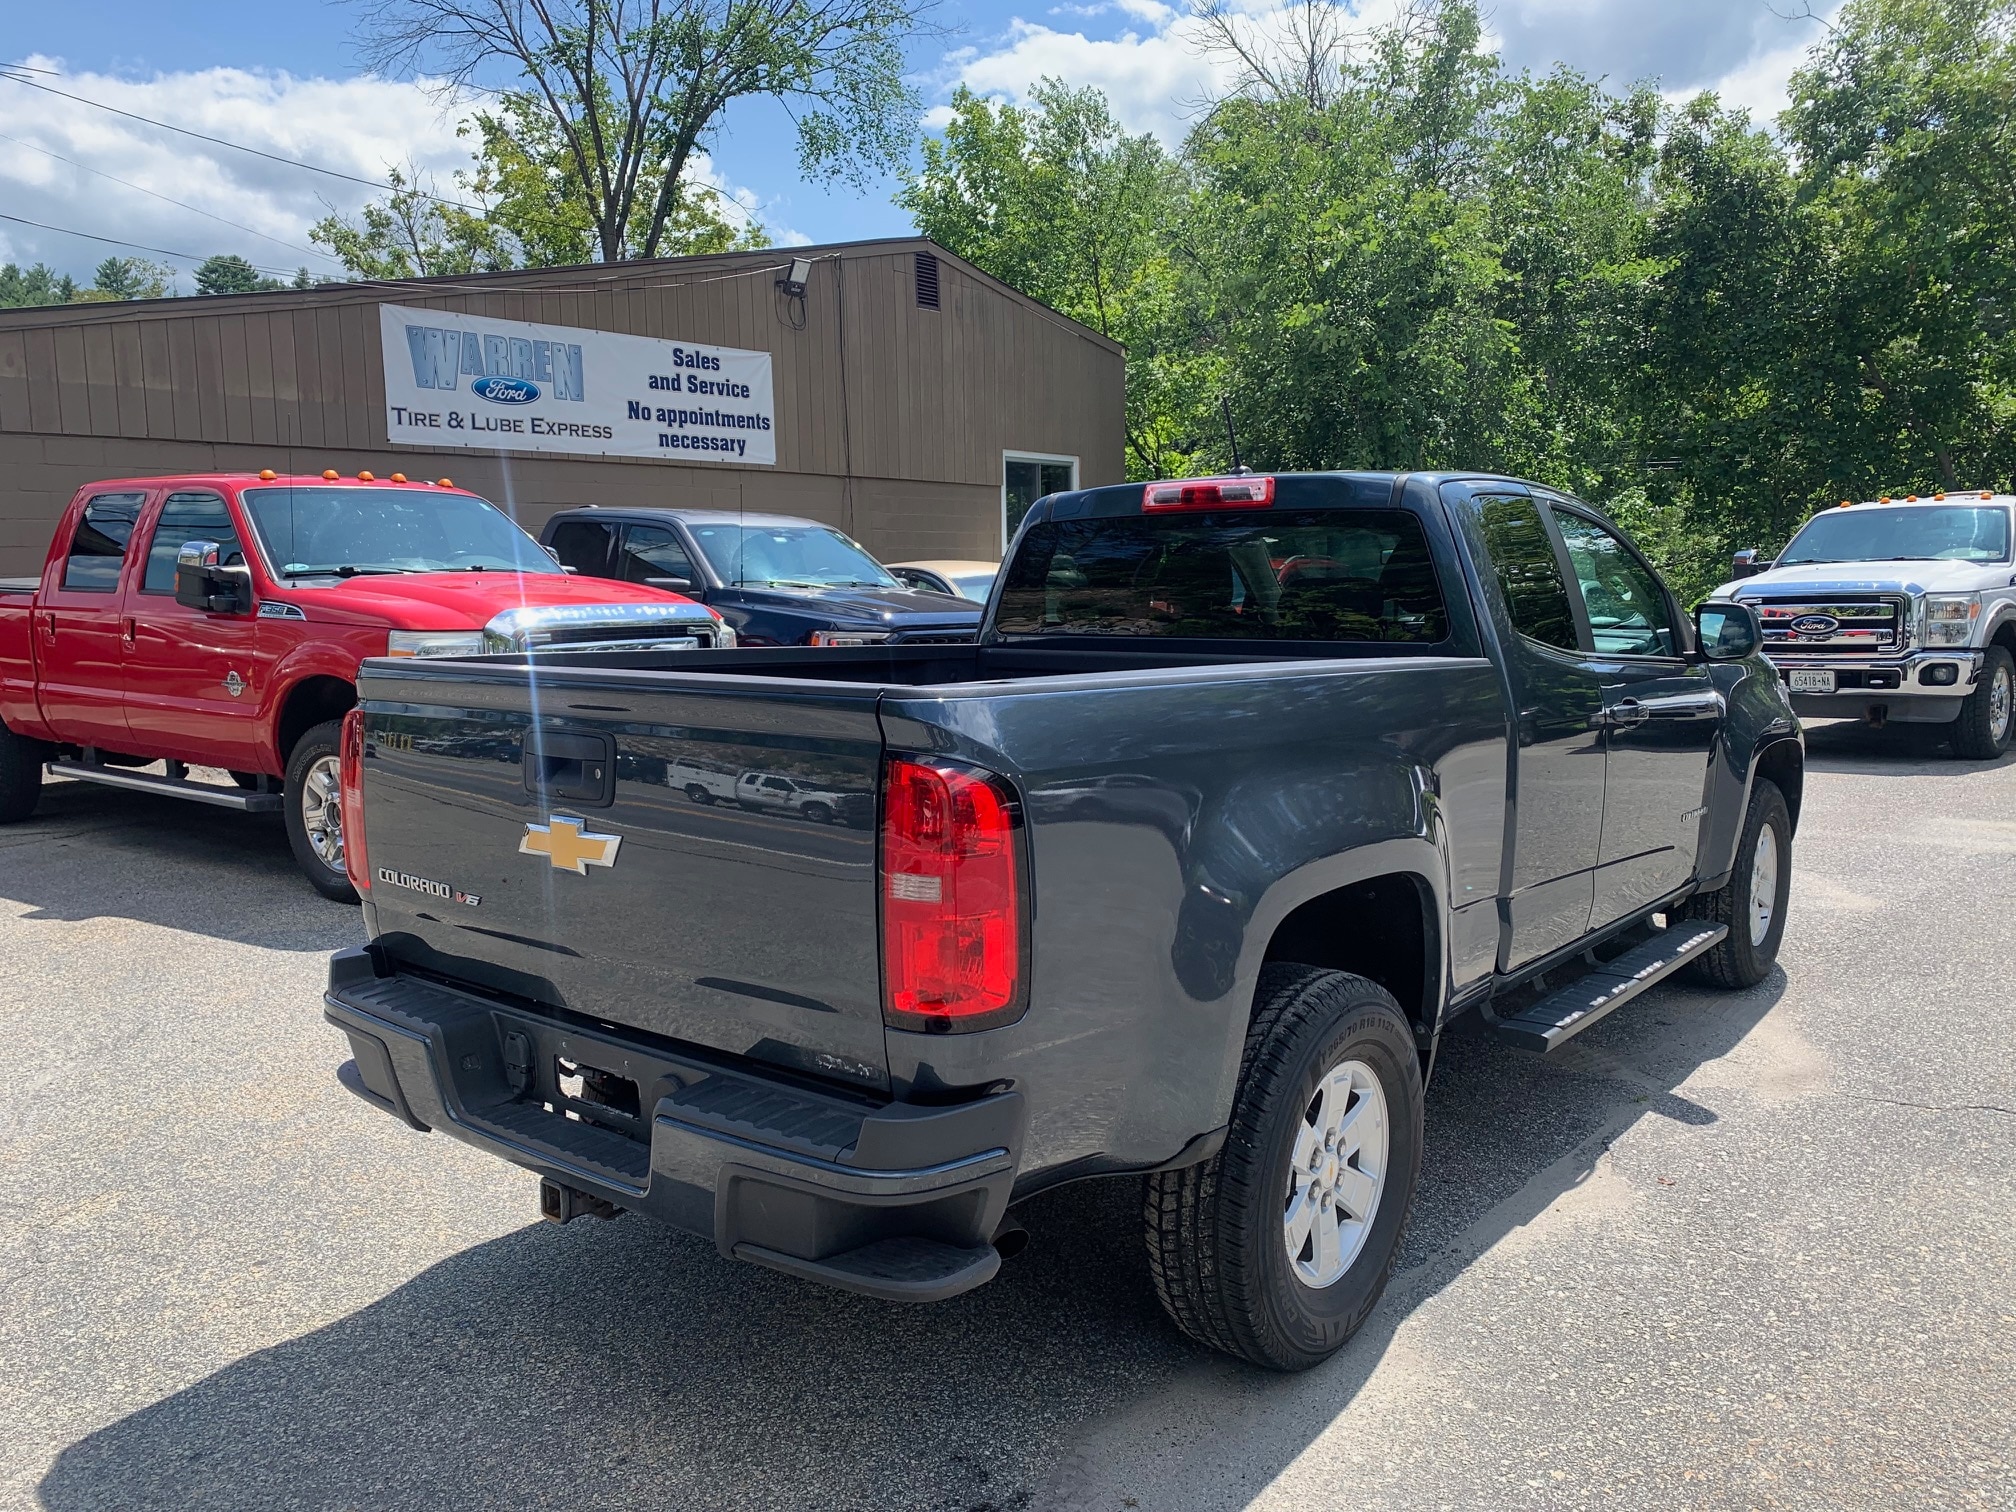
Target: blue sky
283, 75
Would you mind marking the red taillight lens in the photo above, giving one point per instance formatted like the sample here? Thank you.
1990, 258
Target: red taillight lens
951, 899
350, 754
1209, 493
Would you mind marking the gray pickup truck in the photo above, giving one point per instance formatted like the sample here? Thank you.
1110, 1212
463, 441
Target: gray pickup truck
1251, 788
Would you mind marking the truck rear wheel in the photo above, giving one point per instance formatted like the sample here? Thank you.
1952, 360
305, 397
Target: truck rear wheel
20, 775
1276, 1248
315, 811
1988, 717
1752, 902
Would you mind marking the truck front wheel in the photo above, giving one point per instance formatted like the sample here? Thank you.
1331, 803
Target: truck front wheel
1277, 1247
1982, 731
20, 775
1752, 902
315, 811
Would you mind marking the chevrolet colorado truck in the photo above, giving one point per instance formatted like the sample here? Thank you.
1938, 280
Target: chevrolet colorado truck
1250, 789
779, 580
1898, 610
219, 621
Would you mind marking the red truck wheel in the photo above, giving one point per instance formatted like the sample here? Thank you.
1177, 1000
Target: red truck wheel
20, 775
315, 812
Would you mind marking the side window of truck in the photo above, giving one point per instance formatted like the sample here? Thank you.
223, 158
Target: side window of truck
99, 546
651, 551
582, 545
189, 517
1529, 573
1627, 607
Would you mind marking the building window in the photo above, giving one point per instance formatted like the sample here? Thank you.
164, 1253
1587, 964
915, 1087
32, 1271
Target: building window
1027, 477
927, 281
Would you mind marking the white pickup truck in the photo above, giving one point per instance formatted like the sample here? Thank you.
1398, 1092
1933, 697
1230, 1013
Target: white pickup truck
1897, 610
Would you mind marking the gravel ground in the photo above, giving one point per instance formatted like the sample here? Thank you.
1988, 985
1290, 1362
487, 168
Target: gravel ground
1742, 1251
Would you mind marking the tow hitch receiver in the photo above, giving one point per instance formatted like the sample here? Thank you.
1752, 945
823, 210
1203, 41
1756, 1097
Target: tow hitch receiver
559, 1203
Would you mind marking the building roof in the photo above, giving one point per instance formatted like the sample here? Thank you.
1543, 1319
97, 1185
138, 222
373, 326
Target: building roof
627, 277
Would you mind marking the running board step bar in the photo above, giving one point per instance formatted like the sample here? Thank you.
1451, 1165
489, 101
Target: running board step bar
1560, 1016
171, 787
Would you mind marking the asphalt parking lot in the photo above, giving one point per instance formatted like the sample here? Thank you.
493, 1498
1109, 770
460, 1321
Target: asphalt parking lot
1723, 1251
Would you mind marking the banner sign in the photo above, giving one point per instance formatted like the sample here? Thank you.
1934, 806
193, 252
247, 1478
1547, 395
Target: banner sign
467, 380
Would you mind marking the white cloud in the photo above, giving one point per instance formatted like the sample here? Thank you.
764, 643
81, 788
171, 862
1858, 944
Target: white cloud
1157, 73
361, 126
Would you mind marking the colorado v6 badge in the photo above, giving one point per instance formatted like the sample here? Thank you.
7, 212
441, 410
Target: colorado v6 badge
568, 845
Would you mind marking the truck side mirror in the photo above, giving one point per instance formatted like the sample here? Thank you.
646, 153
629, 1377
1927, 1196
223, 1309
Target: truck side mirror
1727, 631
1745, 564
203, 582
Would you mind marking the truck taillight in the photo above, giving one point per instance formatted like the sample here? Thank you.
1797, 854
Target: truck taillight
350, 755
952, 909
1209, 493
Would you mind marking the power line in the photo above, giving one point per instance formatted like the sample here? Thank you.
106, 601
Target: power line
22, 220
271, 157
165, 199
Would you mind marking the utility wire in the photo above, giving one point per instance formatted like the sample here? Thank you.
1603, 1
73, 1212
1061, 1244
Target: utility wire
22, 220
165, 199
235, 146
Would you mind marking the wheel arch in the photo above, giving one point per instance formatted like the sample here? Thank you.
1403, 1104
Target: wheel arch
1784, 763
313, 700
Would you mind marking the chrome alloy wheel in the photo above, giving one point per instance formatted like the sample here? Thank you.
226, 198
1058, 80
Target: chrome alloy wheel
1763, 884
322, 811
1336, 1175
2001, 702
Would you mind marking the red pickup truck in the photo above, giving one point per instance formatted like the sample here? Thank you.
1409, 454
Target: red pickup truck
218, 620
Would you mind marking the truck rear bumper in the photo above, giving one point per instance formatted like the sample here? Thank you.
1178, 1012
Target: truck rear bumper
900, 1201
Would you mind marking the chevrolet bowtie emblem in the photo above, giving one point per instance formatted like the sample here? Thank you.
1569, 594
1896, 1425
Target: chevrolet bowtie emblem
568, 845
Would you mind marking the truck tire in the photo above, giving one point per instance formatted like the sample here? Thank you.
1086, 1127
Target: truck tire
818, 813
20, 775
1327, 1054
314, 813
1752, 902
698, 794
1988, 716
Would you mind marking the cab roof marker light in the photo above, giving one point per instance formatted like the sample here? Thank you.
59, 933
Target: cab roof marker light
398, 477
1987, 493
1941, 496
267, 475
444, 482
365, 477
330, 474
1209, 493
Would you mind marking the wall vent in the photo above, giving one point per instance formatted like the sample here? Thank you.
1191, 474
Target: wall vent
927, 281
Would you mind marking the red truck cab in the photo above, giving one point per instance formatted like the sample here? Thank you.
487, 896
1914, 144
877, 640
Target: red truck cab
219, 620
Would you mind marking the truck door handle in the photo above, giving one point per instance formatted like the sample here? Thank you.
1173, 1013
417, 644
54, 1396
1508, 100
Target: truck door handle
49, 627
569, 767
1625, 713
129, 629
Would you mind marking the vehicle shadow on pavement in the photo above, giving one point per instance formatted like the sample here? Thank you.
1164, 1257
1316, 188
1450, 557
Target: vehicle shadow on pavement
1917, 751
96, 852
620, 1365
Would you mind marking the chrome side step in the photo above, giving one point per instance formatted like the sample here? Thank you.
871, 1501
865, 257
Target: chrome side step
170, 787
1560, 1016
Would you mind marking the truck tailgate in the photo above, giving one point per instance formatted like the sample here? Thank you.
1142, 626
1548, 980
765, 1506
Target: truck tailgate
504, 855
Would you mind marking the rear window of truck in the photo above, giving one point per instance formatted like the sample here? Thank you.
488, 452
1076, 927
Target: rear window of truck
1349, 575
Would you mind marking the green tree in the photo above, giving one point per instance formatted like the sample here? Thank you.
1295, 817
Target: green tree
127, 278
228, 273
39, 285
630, 92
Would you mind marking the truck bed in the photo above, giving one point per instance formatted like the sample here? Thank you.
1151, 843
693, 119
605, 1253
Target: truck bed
755, 934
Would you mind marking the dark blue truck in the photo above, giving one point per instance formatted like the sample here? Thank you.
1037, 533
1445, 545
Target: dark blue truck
1250, 788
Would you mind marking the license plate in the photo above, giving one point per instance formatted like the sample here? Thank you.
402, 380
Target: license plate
1812, 680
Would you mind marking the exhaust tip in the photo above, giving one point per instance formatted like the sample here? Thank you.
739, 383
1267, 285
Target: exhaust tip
1010, 1241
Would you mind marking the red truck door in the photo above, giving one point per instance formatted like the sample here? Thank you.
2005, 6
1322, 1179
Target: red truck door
194, 679
78, 643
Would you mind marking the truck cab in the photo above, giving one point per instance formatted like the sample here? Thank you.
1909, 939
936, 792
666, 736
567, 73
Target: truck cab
780, 581
1897, 611
219, 621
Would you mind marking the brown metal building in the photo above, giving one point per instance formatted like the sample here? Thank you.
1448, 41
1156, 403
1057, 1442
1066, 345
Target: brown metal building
919, 403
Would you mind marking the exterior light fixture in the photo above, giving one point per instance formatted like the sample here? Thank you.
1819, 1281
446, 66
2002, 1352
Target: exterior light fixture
796, 277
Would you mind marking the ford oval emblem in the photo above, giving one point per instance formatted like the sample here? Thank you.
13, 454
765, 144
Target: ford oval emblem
1812, 624
505, 390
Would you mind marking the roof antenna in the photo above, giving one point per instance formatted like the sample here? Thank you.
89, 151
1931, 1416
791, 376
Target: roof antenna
1239, 469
